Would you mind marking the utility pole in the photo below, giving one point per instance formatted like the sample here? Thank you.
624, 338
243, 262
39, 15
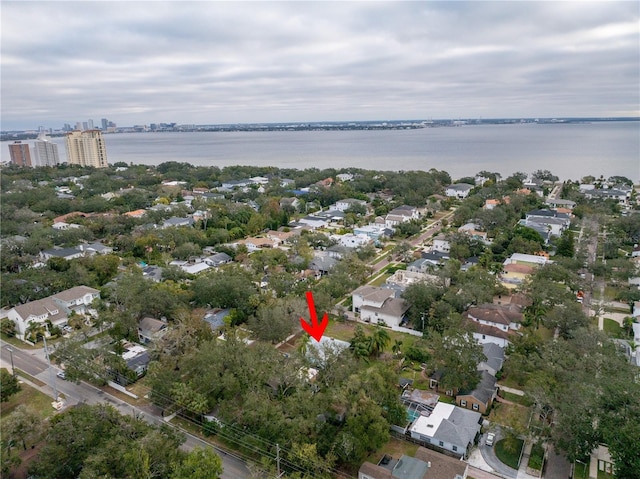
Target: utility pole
51, 375
278, 460
13, 370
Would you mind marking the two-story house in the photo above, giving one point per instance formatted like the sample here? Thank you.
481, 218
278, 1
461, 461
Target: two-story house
54, 309
493, 323
379, 305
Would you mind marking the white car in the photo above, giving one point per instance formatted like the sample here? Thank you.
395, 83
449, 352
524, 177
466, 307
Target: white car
61, 375
490, 438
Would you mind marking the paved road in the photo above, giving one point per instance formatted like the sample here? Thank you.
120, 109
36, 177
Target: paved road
426, 233
30, 362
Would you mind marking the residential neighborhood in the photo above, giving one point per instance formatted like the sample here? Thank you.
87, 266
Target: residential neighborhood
457, 309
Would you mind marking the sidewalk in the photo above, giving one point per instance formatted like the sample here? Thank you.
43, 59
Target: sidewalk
524, 461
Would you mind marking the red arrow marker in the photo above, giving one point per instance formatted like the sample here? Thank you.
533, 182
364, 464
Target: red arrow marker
315, 329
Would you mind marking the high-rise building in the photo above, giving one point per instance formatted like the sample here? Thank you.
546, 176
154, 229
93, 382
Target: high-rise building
20, 154
90, 124
45, 152
86, 148
105, 124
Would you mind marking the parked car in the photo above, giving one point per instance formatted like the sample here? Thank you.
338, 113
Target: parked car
490, 438
61, 375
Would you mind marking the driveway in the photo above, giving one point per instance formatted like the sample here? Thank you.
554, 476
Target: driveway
489, 455
557, 466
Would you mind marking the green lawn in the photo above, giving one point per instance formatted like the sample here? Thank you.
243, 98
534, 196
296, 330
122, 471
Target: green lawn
344, 331
612, 328
581, 471
396, 448
380, 280
508, 451
32, 398
536, 457
604, 475
523, 400
18, 343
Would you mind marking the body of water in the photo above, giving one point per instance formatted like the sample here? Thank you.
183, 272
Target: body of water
570, 150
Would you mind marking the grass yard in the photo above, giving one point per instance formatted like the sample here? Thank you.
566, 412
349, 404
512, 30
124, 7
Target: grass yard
30, 397
18, 343
508, 414
581, 471
380, 280
508, 451
396, 448
510, 382
610, 293
536, 457
604, 475
344, 330
612, 328
522, 400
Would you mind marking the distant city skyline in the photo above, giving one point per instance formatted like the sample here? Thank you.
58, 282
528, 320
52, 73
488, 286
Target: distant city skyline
214, 62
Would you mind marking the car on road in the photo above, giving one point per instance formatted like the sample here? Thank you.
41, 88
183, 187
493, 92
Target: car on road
490, 438
61, 375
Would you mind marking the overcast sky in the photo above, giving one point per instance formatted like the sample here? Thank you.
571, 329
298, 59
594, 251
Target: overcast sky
241, 62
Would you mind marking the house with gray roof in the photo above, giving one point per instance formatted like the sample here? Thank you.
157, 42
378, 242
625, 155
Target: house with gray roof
151, 329
175, 222
218, 259
215, 318
481, 397
426, 464
448, 428
65, 253
95, 248
322, 264
494, 355
379, 305
435, 258
154, 273
419, 266
560, 203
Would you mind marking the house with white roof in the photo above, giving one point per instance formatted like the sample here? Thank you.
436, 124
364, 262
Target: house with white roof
448, 427
401, 214
373, 230
352, 241
343, 205
532, 259
458, 190
440, 243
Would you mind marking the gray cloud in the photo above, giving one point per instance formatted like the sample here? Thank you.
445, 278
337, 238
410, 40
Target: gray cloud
219, 62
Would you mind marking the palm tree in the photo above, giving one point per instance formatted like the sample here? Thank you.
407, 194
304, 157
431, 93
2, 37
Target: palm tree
303, 347
379, 340
396, 347
34, 331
